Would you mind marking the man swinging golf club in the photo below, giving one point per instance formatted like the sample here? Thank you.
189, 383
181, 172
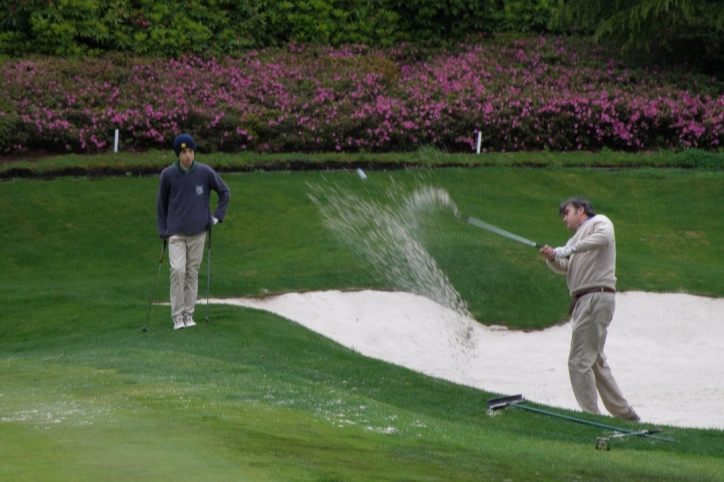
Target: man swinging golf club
589, 261
184, 217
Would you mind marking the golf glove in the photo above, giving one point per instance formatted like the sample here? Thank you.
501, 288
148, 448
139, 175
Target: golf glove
565, 251
214, 221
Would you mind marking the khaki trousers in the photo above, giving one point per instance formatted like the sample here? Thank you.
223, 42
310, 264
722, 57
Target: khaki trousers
185, 254
590, 374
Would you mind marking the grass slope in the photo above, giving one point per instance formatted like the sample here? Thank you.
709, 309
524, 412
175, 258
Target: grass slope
85, 395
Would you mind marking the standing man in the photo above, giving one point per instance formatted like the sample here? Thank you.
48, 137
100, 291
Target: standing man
184, 216
589, 261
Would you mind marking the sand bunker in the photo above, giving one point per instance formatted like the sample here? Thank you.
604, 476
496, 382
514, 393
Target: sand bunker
666, 350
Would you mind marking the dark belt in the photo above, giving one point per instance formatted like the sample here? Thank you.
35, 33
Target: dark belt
577, 296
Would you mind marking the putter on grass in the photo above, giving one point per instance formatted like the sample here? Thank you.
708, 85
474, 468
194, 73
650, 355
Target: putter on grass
208, 275
153, 290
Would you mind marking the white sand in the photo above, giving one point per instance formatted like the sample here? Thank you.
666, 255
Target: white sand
666, 350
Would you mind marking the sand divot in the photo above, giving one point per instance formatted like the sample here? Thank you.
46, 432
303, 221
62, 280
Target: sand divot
665, 350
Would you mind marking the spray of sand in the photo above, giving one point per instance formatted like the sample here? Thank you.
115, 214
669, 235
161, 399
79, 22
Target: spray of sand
387, 235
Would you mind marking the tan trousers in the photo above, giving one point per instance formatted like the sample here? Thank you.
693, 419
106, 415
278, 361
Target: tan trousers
590, 374
185, 254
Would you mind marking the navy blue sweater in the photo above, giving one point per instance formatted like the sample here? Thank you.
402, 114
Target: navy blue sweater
182, 205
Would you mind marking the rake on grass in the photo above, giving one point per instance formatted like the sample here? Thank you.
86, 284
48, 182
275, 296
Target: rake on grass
517, 402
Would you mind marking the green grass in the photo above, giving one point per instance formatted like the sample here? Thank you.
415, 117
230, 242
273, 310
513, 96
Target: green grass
85, 395
152, 161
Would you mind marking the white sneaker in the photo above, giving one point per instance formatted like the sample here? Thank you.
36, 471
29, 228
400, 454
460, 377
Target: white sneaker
188, 321
178, 323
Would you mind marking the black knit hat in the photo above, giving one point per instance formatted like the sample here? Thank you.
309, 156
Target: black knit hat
182, 142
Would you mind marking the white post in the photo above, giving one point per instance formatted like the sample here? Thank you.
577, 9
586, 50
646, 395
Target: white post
115, 143
480, 140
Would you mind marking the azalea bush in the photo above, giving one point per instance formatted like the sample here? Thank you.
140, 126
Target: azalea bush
533, 94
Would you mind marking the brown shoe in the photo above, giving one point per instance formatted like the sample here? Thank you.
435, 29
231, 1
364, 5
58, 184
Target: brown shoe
633, 416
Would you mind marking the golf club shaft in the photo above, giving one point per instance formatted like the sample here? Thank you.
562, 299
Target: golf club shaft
208, 275
493, 229
153, 290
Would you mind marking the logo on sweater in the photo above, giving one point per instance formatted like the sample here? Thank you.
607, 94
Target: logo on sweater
199, 190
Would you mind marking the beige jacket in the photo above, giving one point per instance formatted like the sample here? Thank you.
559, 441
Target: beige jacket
593, 265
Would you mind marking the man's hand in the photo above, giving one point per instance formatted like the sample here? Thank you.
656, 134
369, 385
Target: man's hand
214, 221
547, 252
565, 251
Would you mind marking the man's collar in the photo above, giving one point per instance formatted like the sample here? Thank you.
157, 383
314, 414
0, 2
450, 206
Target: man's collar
181, 169
584, 222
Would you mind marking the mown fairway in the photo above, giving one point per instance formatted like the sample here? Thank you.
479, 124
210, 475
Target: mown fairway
85, 395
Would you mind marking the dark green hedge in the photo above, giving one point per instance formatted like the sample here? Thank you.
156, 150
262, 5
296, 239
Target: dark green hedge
175, 27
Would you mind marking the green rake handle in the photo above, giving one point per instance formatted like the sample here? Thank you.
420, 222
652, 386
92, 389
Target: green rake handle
588, 422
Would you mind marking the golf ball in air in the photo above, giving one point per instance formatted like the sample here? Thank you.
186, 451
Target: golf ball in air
361, 174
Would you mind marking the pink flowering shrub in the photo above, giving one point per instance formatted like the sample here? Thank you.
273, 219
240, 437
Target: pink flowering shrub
533, 94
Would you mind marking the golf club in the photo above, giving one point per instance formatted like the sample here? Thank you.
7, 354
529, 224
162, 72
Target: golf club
493, 229
153, 290
208, 275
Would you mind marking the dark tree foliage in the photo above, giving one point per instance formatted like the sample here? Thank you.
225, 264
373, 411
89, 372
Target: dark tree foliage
673, 31
170, 28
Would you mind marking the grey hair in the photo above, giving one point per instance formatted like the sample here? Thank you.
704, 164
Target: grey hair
577, 202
